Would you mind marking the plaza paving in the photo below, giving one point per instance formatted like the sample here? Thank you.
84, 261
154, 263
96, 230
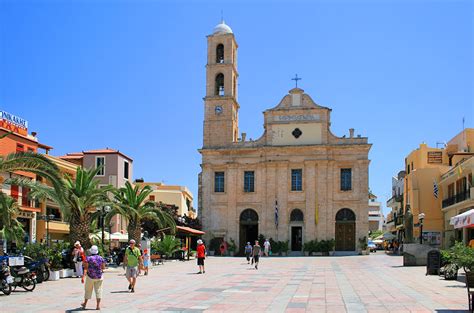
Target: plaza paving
375, 283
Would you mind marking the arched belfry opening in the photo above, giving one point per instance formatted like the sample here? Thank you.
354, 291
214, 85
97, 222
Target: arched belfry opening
345, 230
220, 53
248, 227
220, 84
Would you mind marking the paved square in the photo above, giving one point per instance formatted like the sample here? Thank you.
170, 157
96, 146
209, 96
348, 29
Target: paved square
375, 283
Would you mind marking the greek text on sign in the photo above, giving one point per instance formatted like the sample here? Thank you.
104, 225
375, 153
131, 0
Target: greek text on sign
303, 117
18, 121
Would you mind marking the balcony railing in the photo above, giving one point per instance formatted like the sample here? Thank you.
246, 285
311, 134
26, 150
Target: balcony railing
456, 198
395, 198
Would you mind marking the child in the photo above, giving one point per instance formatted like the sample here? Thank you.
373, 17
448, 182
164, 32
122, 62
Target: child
146, 261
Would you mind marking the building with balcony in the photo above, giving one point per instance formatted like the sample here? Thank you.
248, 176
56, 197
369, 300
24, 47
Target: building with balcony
179, 196
19, 140
458, 198
376, 217
394, 223
57, 228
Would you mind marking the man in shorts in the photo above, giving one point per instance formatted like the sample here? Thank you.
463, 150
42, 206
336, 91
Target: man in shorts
133, 260
201, 255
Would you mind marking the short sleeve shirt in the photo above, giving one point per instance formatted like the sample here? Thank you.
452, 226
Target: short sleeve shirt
132, 256
94, 266
201, 251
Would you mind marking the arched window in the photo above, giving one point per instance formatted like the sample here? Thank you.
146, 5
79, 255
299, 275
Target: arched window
296, 216
220, 84
220, 53
345, 215
248, 215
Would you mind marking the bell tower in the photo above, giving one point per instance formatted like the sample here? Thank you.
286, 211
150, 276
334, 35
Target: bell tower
220, 104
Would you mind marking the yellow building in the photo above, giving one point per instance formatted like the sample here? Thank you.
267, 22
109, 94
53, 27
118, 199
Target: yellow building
57, 227
424, 166
179, 196
437, 184
457, 190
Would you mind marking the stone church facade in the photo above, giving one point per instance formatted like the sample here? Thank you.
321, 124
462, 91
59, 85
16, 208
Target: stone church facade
297, 182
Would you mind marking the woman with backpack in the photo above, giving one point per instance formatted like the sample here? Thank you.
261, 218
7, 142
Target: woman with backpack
78, 257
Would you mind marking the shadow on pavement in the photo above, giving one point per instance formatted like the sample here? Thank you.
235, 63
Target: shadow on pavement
450, 311
120, 291
79, 309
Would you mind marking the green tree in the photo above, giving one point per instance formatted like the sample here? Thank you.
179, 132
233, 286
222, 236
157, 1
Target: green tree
34, 163
131, 202
78, 200
10, 228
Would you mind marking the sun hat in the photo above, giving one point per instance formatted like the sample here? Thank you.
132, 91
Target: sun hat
131, 241
94, 250
199, 242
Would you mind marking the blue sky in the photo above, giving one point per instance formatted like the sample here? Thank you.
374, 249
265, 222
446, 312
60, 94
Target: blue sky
130, 75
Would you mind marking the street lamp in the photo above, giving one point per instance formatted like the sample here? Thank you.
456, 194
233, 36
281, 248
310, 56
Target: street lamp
46, 218
421, 216
103, 212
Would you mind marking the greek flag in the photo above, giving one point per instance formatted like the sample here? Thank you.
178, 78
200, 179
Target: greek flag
435, 189
276, 213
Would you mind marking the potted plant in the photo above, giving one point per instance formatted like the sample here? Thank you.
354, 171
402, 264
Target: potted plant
168, 245
331, 245
214, 246
284, 247
232, 247
55, 263
363, 245
308, 247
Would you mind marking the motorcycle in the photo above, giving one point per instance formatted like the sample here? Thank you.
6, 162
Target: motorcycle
6, 280
22, 277
41, 268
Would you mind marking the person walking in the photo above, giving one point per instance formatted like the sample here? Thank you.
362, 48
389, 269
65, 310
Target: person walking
94, 266
201, 255
248, 252
266, 247
146, 261
78, 257
132, 259
256, 251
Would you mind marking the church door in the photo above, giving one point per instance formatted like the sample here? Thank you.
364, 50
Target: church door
248, 229
345, 230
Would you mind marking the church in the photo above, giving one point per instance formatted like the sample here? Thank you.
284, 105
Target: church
297, 182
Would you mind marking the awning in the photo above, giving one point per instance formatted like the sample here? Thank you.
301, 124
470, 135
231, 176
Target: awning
462, 220
119, 236
189, 230
389, 236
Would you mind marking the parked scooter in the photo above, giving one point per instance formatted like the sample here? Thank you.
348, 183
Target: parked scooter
41, 268
6, 280
22, 277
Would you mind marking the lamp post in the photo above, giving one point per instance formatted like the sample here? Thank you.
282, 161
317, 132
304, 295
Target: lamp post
421, 216
46, 218
103, 211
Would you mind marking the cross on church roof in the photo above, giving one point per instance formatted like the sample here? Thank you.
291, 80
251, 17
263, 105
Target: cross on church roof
296, 79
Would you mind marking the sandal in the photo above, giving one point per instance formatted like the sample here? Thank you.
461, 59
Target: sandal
83, 306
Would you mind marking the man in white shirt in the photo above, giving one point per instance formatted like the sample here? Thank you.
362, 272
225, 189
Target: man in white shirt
266, 247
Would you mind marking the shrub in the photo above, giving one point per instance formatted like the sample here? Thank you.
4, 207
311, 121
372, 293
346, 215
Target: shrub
214, 245
168, 245
232, 245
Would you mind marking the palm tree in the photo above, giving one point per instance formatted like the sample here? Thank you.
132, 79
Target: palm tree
33, 163
82, 198
10, 228
77, 201
131, 202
